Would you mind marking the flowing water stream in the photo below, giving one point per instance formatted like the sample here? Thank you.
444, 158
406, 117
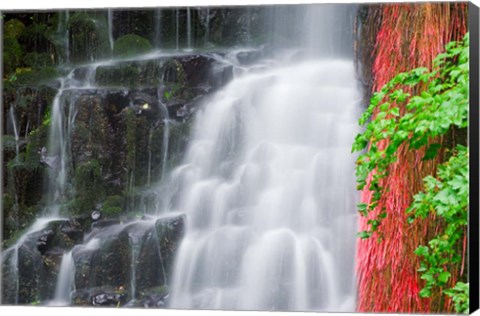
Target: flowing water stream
268, 188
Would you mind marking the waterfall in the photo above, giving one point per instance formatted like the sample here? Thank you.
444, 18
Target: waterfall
66, 281
268, 187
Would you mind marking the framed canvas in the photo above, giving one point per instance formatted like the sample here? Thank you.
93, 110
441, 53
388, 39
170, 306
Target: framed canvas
300, 157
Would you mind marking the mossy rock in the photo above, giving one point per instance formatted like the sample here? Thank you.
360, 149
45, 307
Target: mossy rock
31, 77
131, 74
130, 45
89, 37
89, 186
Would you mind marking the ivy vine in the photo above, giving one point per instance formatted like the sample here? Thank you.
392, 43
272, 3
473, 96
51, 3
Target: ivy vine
441, 105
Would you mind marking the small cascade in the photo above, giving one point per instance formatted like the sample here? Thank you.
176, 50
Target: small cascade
135, 239
57, 154
149, 149
110, 28
11, 258
189, 29
63, 32
67, 37
166, 134
13, 120
177, 28
158, 28
207, 27
65, 282
14, 270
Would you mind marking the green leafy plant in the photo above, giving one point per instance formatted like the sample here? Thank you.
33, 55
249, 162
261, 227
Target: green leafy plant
441, 105
446, 196
431, 113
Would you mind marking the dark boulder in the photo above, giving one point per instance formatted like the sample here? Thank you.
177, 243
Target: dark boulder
44, 241
108, 299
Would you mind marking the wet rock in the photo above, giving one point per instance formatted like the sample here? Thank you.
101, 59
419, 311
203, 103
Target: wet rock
62, 234
96, 215
99, 296
105, 223
21, 274
107, 265
52, 260
130, 74
49, 161
108, 299
150, 301
45, 240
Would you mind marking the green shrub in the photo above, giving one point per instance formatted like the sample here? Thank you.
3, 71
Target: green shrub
130, 45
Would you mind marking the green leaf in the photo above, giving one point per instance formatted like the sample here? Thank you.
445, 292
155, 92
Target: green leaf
432, 151
444, 276
425, 293
421, 251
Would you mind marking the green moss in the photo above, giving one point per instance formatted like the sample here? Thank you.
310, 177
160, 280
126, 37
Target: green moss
14, 28
34, 59
131, 45
12, 54
112, 206
89, 187
30, 76
130, 74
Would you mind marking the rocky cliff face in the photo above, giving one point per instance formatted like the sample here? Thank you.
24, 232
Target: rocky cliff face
128, 124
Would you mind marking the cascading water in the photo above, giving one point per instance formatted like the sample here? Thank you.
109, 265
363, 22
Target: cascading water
57, 155
158, 24
13, 120
177, 28
66, 281
269, 191
268, 187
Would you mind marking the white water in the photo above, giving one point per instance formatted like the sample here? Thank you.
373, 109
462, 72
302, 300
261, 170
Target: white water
61, 127
13, 120
269, 192
110, 28
158, 28
189, 28
207, 27
65, 282
177, 28
38, 225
